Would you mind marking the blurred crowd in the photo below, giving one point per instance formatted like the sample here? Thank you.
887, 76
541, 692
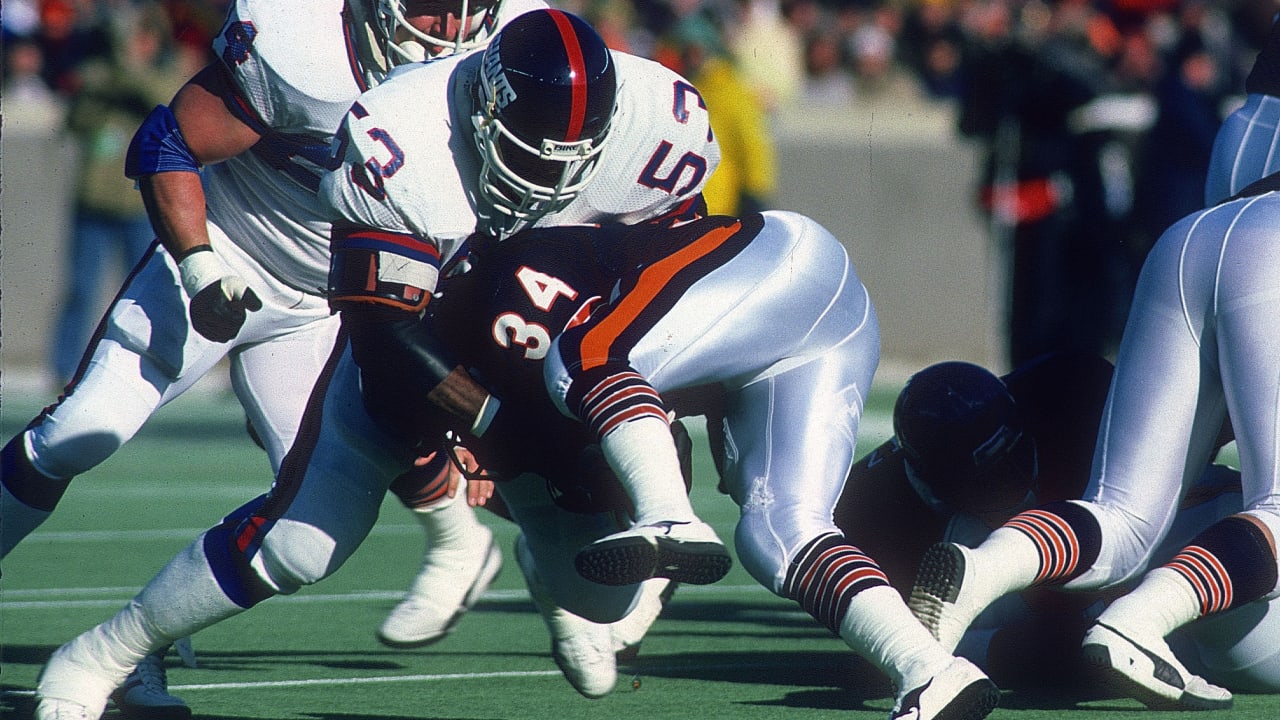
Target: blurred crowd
1095, 117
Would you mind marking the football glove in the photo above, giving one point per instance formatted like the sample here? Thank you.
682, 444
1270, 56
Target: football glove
220, 299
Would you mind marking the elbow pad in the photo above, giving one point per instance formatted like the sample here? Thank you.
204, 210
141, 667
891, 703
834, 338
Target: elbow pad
371, 268
158, 146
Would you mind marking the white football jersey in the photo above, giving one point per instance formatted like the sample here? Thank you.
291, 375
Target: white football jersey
294, 66
290, 61
411, 165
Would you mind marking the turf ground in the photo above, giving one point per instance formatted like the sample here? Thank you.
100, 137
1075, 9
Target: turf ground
730, 650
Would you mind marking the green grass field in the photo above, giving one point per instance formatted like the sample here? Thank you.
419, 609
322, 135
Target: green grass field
730, 650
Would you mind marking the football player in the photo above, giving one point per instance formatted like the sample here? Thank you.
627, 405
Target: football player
330, 485
230, 171
531, 137
1247, 147
761, 321
971, 450
1200, 343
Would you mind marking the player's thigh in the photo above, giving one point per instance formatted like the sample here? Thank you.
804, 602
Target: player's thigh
1248, 344
144, 356
329, 490
790, 441
274, 378
1164, 393
790, 295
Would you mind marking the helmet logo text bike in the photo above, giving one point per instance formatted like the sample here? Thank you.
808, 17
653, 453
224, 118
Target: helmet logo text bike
565, 151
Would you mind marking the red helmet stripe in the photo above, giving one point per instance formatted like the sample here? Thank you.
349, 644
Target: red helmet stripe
573, 50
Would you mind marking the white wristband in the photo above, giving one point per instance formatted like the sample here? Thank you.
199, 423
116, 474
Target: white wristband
199, 270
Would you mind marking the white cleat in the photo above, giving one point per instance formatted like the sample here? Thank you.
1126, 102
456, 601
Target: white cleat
73, 686
145, 693
1147, 670
583, 650
960, 692
686, 552
938, 598
53, 709
449, 584
629, 632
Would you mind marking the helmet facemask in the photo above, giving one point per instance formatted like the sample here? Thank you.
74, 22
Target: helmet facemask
523, 182
477, 16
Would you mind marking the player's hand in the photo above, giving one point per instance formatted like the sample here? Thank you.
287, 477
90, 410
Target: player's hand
479, 489
220, 299
464, 466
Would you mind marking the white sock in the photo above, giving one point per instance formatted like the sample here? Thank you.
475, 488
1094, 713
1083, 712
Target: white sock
1007, 561
879, 627
181, 599
644, 457
1162, 602
451, 523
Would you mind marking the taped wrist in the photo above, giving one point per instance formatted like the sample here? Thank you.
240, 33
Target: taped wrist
158, 146
200, 268
376, 267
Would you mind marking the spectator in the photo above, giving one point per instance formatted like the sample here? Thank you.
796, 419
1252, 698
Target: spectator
68, 38
768, 51
24, 84
109, 221
1042, 184
826, 80
929, 45
1176, 156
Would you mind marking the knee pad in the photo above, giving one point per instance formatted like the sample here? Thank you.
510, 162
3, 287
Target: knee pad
255, 556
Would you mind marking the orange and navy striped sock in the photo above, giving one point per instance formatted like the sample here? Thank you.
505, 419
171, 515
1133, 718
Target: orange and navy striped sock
1067, 538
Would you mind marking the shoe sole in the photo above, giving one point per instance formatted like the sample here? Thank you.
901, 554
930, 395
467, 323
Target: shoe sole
1107, 672
974, 702
936, 585
630, 560
488, 573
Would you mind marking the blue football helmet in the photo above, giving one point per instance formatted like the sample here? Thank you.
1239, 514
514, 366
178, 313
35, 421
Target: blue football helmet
544, 102
963, 440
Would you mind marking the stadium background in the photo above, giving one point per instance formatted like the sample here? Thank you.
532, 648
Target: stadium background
890, 178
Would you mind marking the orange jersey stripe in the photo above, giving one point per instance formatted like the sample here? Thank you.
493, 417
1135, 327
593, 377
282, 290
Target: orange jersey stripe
595, 345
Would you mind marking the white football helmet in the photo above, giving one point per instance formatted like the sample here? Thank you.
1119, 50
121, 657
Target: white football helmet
390, 18
544, 103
